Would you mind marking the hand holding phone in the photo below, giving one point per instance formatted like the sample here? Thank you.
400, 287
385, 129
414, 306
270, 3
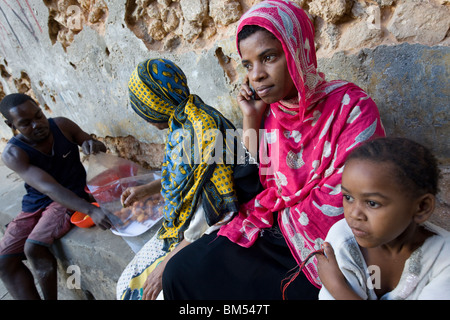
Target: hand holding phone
254, 95
249, 102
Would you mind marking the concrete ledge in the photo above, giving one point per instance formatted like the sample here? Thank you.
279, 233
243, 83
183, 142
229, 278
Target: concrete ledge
93, 259
97, 258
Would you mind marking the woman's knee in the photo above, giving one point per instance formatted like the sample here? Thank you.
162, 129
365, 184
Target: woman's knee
177, 275
170, 273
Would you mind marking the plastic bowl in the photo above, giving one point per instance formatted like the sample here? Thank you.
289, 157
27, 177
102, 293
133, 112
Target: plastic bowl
82, 220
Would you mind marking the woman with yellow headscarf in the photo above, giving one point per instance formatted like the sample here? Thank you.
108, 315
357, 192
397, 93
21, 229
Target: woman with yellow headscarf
197, 184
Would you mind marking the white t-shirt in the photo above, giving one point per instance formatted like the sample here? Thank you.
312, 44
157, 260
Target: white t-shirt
426, 274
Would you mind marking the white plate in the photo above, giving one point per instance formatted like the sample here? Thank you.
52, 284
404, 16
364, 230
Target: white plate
134, 228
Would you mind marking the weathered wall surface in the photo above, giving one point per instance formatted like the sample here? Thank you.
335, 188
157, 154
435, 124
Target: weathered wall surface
75, 58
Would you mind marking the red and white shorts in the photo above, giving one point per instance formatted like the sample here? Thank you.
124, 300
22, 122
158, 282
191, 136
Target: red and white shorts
40, 227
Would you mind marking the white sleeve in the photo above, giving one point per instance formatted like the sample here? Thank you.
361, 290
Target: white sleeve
197, 226
340, 238
438, 287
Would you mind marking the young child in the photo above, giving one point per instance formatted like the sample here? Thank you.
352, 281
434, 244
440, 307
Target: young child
385, 248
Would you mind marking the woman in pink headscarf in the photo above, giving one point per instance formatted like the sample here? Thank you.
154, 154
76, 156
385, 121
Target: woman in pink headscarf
309, 126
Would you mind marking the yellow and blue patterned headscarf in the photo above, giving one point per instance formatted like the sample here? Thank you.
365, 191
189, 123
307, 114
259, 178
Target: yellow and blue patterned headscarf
156, 87
159, 93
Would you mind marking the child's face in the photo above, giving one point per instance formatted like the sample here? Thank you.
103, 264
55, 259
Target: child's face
265, 61
376, 208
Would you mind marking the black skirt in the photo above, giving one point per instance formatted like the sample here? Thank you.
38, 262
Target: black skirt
214, 268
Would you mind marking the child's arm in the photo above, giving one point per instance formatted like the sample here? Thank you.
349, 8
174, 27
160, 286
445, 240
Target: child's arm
332, 277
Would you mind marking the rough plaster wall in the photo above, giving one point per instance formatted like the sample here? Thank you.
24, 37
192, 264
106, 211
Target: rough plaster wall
86, 78
75, 58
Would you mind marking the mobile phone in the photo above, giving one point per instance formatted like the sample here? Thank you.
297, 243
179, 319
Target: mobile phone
254, 95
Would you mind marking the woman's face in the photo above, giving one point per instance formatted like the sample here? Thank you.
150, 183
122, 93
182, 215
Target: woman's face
263, 57
160, 125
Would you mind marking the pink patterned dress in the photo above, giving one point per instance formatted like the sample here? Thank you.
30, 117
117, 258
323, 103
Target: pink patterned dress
305, 143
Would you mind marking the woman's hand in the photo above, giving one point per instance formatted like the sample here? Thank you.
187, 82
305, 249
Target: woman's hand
153, 285
250, 107
133, 194
252, 111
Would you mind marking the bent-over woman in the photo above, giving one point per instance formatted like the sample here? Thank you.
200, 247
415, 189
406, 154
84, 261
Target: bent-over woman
197, 182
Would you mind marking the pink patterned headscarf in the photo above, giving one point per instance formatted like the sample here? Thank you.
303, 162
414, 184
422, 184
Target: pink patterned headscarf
292, 27
305, 143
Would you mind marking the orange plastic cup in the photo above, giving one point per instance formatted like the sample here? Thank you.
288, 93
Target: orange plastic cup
81, 219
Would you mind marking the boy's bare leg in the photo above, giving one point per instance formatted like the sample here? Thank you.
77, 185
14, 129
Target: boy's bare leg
18, 279
44, 266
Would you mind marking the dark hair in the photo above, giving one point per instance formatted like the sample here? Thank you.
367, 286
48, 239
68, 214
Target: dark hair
250, 29
416, 167
13, 100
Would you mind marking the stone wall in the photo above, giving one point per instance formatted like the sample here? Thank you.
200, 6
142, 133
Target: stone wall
75, 58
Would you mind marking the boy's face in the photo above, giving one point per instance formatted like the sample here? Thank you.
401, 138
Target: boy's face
263, 57
376, 207
30, 121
